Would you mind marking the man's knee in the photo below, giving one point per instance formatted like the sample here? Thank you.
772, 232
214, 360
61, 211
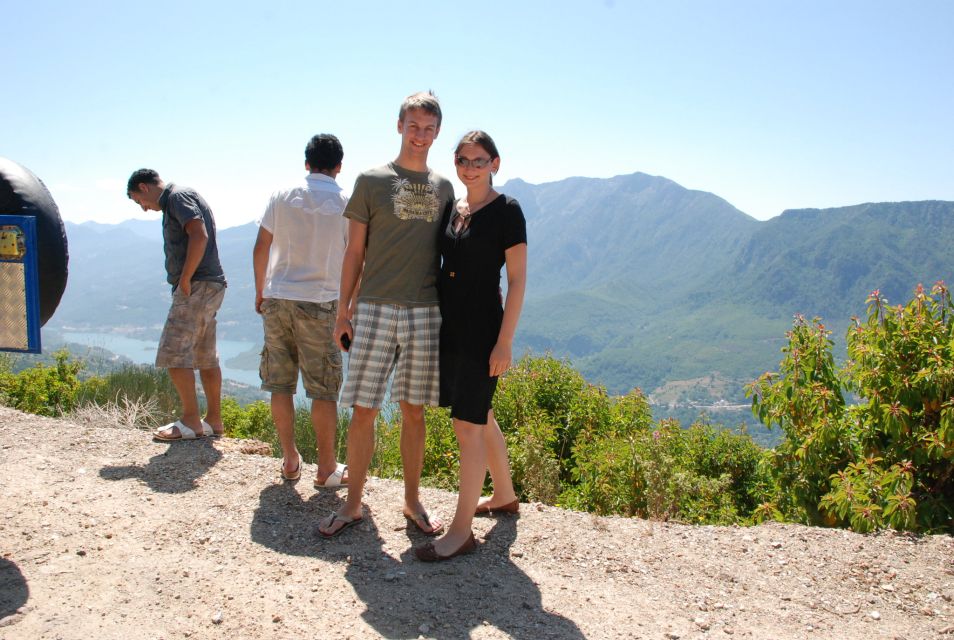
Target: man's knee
412, 413
362, 418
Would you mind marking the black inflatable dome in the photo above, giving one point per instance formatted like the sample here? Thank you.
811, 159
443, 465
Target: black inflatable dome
22, 193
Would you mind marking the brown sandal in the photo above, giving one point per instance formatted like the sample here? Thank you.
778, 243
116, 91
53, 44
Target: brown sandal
427, 553
510, 507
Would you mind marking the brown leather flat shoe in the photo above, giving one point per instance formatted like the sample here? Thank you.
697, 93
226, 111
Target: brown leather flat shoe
427, 553
510, 507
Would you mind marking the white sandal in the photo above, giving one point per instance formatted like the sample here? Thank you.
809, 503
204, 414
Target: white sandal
334, 480
185, 433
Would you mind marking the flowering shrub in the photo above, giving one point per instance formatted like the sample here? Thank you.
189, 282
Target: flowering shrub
885, 461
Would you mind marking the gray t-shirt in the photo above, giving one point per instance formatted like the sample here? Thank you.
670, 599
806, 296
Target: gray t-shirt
403, 212
181, 205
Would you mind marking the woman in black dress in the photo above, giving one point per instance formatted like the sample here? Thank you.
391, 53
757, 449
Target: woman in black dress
484, 231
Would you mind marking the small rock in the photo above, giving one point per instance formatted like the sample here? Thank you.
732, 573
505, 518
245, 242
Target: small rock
888, 587
424, 628
672, 635
217, 618
276, 618
80, 552
874, 615
728, 630
927, 611
702, 623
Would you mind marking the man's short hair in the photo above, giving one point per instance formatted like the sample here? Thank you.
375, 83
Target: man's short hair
141, 176
424, 100
323, 152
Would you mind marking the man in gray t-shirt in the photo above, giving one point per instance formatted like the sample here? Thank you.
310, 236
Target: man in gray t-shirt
198, 287
393, 323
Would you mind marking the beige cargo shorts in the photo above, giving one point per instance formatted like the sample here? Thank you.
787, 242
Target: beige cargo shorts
299, 336
188, 338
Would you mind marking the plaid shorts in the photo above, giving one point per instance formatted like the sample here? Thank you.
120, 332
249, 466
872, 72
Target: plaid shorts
188, 339
389, 337
298, 335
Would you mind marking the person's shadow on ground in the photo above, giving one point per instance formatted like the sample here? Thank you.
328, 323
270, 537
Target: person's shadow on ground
14, 592
450, 599
288, 524
407, 598
173, 471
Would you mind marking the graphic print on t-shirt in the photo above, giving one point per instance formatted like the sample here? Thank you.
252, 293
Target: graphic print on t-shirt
415, 200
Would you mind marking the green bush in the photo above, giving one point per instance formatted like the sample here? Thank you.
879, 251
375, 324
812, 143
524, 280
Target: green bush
572, 444
42, 390
885, 461
699, 475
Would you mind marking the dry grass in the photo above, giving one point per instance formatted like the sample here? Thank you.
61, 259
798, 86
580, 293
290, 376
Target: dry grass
123, 412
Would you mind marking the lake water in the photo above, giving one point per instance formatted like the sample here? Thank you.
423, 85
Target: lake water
144, 351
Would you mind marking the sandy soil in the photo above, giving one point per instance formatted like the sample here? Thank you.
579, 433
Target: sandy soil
107, 534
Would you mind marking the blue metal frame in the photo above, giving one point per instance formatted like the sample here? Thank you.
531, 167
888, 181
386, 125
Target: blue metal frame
31, 280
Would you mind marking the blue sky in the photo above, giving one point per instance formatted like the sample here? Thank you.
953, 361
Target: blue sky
770, 105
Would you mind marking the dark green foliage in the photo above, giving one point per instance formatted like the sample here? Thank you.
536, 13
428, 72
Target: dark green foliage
573, 444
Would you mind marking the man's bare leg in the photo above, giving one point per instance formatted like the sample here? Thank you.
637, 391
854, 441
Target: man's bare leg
412, 457
283, 415
212, 386
324, 420
184, 382
360, 451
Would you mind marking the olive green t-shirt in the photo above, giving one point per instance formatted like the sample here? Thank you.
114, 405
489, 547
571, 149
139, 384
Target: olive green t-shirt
403, 212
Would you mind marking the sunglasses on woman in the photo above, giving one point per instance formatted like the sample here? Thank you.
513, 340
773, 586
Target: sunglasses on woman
476, 163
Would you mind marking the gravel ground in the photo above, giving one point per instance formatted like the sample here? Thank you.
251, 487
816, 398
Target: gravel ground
108, 534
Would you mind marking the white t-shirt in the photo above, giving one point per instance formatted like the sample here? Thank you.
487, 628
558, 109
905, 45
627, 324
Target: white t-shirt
309, 236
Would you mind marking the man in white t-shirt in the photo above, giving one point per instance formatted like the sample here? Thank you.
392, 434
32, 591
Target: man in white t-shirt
297, 259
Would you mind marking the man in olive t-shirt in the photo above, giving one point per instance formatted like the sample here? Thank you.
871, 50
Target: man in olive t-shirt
393, 323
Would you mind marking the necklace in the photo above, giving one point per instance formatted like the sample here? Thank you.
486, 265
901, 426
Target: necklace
465, 212
490, 194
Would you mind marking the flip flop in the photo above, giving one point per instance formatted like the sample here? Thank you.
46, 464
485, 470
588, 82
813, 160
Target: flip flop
185, 433
294, 475
337, 517
334, 480
422, 518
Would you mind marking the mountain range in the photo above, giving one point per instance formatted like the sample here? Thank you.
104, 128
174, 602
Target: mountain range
638, 280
